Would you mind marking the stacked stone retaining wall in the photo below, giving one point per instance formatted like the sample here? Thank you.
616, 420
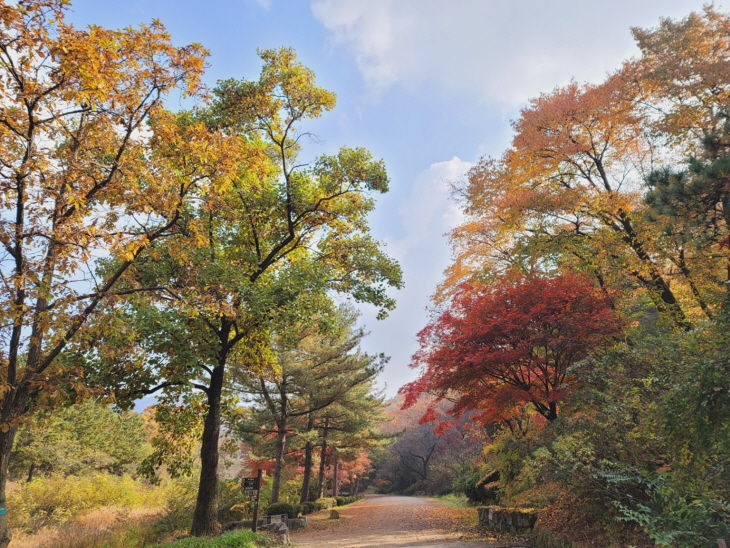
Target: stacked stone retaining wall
508, 520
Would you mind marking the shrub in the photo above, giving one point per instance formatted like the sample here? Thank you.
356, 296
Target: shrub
178, 514
479, 487
233, 505
54, 500
342, 501
326, 503
281, 508
236, 539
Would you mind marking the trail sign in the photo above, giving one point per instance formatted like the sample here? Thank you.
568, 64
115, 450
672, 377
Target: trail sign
254, 486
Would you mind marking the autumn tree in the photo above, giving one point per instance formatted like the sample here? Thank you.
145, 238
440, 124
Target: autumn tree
511, 341
684, 68
260, 250
82, 175
322, 366
353, 466
570, 190
567, 192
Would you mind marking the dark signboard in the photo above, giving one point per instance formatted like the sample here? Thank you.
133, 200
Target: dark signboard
250, 484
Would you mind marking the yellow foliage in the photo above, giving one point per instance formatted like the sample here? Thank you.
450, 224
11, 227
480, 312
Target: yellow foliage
56, 499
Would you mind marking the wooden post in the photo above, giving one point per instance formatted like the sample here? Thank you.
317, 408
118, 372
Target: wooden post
256, 501
335, 481
721, 543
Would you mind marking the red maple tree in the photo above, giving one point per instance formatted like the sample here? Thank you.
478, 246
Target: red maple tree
500, 346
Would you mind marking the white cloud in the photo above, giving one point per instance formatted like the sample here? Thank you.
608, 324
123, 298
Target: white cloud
426, 214
503, 51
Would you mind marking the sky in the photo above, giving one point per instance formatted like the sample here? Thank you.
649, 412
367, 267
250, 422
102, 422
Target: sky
429, 86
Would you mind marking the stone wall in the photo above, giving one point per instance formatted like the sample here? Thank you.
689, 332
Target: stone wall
509, 520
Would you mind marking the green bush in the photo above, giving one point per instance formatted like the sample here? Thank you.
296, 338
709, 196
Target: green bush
281, 508
342, 501
236, 539
671, 517
326, 503
309, 508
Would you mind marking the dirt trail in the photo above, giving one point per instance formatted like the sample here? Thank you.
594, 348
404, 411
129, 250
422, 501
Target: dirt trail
381, 520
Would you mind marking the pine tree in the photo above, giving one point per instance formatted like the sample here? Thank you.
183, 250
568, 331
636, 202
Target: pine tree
318, 367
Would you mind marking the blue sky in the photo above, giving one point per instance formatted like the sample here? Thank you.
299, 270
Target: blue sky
428, 85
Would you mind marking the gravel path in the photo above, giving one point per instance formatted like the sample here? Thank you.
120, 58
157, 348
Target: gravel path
381, 520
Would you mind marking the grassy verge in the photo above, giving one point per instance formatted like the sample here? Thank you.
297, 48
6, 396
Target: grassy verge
453, 500
236, 539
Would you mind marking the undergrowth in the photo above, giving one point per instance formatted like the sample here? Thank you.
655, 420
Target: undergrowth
455, 500
236, 539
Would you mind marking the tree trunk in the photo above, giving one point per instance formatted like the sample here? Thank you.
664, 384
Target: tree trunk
335, 479
323, 458
12, 406
205, 518
31, 469
279, 464
6, 445
553, 411
307, 480
725, 307
356, 486
659, 290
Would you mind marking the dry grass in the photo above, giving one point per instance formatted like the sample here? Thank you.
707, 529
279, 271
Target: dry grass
104, 527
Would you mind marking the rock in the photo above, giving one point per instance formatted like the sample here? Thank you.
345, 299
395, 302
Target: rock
508, 520
280, 531
299, 523
334, 514
245, 524
235, 525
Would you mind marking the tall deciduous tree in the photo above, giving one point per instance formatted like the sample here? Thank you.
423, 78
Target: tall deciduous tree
567, 189
570, 189
80, 175
258, 253
514, 341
